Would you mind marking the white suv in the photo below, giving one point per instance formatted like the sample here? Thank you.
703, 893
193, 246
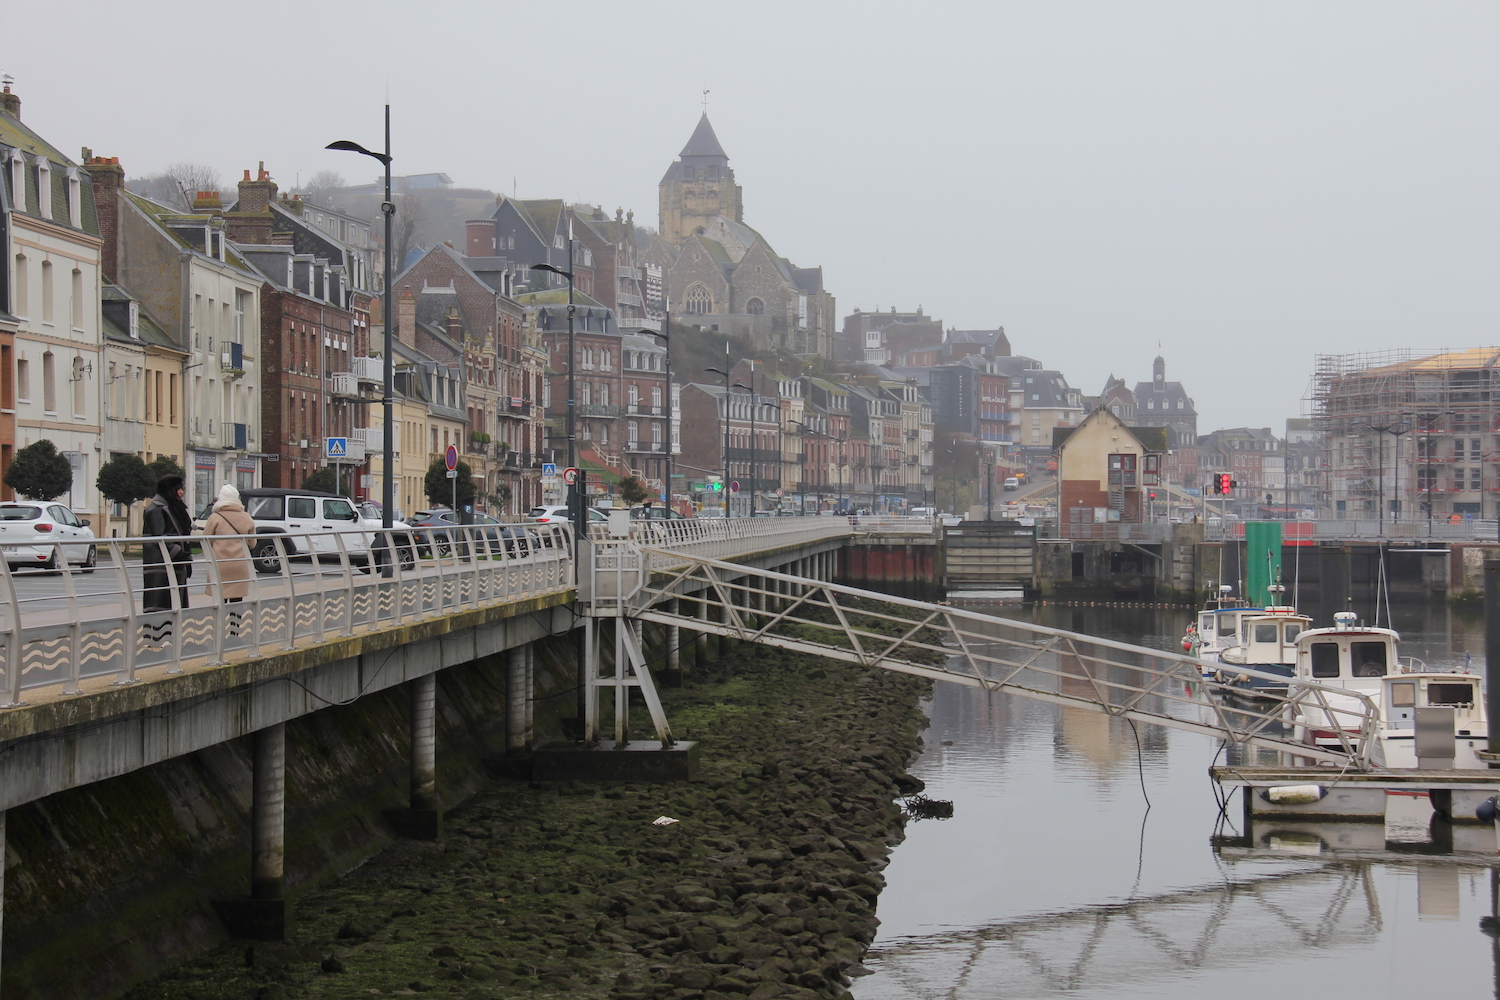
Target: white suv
307, 523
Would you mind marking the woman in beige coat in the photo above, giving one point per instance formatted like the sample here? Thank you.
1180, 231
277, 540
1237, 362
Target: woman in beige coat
231, 555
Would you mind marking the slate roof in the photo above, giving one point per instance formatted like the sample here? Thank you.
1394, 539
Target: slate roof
541, 214
167, 218
15, 135
150, 331
703, 141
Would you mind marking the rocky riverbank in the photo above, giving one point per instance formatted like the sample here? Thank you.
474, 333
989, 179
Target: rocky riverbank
764, 885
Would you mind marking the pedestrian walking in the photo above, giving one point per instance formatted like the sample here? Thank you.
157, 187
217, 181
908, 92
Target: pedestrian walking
230, 553
166, 518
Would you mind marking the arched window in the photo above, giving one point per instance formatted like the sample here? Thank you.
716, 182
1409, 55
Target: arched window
755, 307
699, 302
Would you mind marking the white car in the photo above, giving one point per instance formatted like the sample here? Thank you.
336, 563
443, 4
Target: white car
32, 535
555, 512
711, 512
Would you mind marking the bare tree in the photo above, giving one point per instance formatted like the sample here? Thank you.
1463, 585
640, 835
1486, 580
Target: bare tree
410, 228
176, 185
323, 184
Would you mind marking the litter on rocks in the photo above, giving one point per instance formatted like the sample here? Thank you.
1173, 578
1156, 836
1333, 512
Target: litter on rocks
664, 821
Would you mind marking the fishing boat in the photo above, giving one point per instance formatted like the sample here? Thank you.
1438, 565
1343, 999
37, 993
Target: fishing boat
1426, 717
1217, 627
1266, 642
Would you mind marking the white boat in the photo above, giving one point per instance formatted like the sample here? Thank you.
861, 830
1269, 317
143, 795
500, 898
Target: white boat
1267, 642
1364, 660
1217, 627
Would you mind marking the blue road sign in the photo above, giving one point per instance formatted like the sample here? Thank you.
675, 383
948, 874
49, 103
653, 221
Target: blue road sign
549, 470
336, 447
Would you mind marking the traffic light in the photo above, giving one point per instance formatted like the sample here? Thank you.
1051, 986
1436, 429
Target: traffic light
1151, 495
1225, 483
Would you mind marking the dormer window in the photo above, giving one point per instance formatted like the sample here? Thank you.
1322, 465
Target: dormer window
44, 187
18, 178
75, 199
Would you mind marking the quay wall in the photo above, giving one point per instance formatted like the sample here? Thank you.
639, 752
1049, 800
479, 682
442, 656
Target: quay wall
112, 881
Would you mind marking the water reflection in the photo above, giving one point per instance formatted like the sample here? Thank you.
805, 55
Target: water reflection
1053, 877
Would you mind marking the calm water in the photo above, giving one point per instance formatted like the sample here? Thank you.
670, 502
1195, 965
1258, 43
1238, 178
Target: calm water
1053, 879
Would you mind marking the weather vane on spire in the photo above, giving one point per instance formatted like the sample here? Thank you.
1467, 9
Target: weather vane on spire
705, 100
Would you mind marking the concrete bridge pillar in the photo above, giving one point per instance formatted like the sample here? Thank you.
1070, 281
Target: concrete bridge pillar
726, 618
700, 642
674, 638
266, 915
422, 820
518, 698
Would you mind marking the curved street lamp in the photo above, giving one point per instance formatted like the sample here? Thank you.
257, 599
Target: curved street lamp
388, 401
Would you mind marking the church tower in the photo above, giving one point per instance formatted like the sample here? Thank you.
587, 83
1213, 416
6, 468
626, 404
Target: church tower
698, 187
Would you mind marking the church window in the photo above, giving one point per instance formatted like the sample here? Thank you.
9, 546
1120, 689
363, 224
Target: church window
755, 307
699, 302
687, 172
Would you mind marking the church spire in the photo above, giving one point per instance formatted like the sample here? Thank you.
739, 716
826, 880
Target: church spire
703, 141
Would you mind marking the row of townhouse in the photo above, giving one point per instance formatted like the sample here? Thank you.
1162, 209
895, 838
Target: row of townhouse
242, 340
859, 442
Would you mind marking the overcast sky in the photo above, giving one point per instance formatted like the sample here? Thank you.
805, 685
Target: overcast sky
1248, 184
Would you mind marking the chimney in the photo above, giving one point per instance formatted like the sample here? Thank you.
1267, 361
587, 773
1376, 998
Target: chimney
406, 318
108, 179
251, 221
453, 325
10, 103
480, 238
292, 203
207, 203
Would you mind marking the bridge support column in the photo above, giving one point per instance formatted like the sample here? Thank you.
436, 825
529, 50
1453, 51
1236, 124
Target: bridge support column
422, 820
700, 641
726, 617
266, 915
518, 699
674, 637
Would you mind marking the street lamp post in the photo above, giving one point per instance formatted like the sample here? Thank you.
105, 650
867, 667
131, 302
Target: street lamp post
666, 335
1380, 432
724, 485
388, 401
576, 505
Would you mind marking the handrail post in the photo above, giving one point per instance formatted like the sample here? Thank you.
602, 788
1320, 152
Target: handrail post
15, 644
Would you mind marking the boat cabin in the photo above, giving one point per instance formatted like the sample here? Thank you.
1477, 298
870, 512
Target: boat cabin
1348, 654
1269, 637
1405, 693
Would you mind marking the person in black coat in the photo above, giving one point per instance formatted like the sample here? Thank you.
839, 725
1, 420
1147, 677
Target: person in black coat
167, 518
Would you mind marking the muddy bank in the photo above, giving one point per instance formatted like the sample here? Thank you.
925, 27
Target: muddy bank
764, 887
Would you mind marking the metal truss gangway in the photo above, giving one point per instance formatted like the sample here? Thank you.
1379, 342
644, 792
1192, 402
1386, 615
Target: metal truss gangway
634, 583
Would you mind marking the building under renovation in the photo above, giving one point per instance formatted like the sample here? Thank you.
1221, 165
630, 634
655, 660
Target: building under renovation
1414, 437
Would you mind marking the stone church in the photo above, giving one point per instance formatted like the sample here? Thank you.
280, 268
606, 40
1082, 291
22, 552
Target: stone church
722, 275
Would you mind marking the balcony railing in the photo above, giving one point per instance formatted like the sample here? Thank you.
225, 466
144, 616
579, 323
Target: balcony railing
644, 410
647, 447
368, 369
597, 410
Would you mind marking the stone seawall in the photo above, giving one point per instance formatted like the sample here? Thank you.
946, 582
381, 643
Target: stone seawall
110, 882
762, 885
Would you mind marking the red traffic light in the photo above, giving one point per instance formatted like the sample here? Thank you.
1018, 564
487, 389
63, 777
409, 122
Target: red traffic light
1225, 483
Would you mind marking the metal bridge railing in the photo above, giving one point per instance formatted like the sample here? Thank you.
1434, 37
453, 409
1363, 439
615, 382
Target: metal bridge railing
74, 627
1002, 654
870, 524
722, 538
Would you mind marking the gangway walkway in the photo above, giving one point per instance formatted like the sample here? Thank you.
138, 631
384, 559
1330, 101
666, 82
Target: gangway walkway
679, 589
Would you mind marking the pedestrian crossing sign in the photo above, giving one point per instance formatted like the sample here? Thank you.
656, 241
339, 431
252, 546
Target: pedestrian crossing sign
336, 447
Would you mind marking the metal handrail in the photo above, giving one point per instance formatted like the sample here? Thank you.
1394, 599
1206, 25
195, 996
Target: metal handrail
941, 642
59, 633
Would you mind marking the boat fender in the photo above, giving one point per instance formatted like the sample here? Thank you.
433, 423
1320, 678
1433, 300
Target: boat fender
1243, 679
1293, 795
1487, 810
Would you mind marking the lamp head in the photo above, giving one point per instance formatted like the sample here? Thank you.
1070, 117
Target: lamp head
554, 270
347, 145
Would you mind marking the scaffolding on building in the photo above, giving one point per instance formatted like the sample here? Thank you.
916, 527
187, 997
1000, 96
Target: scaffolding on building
1394, 423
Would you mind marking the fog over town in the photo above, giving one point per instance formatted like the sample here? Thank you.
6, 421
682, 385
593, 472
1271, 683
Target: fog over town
1245, 184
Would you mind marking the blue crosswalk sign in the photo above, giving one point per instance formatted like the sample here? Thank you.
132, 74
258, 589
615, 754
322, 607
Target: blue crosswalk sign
336, 447
549, 470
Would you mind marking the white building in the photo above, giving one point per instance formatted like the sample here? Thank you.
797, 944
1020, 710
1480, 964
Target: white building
52, 370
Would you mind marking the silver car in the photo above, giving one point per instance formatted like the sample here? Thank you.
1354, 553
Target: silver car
33, 535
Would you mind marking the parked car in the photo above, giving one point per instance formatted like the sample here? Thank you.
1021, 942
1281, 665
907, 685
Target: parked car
711, 512
549, 513
33, 535
442, 530
307, 524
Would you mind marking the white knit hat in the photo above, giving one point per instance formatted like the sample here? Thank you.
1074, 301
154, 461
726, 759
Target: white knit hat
228, 494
